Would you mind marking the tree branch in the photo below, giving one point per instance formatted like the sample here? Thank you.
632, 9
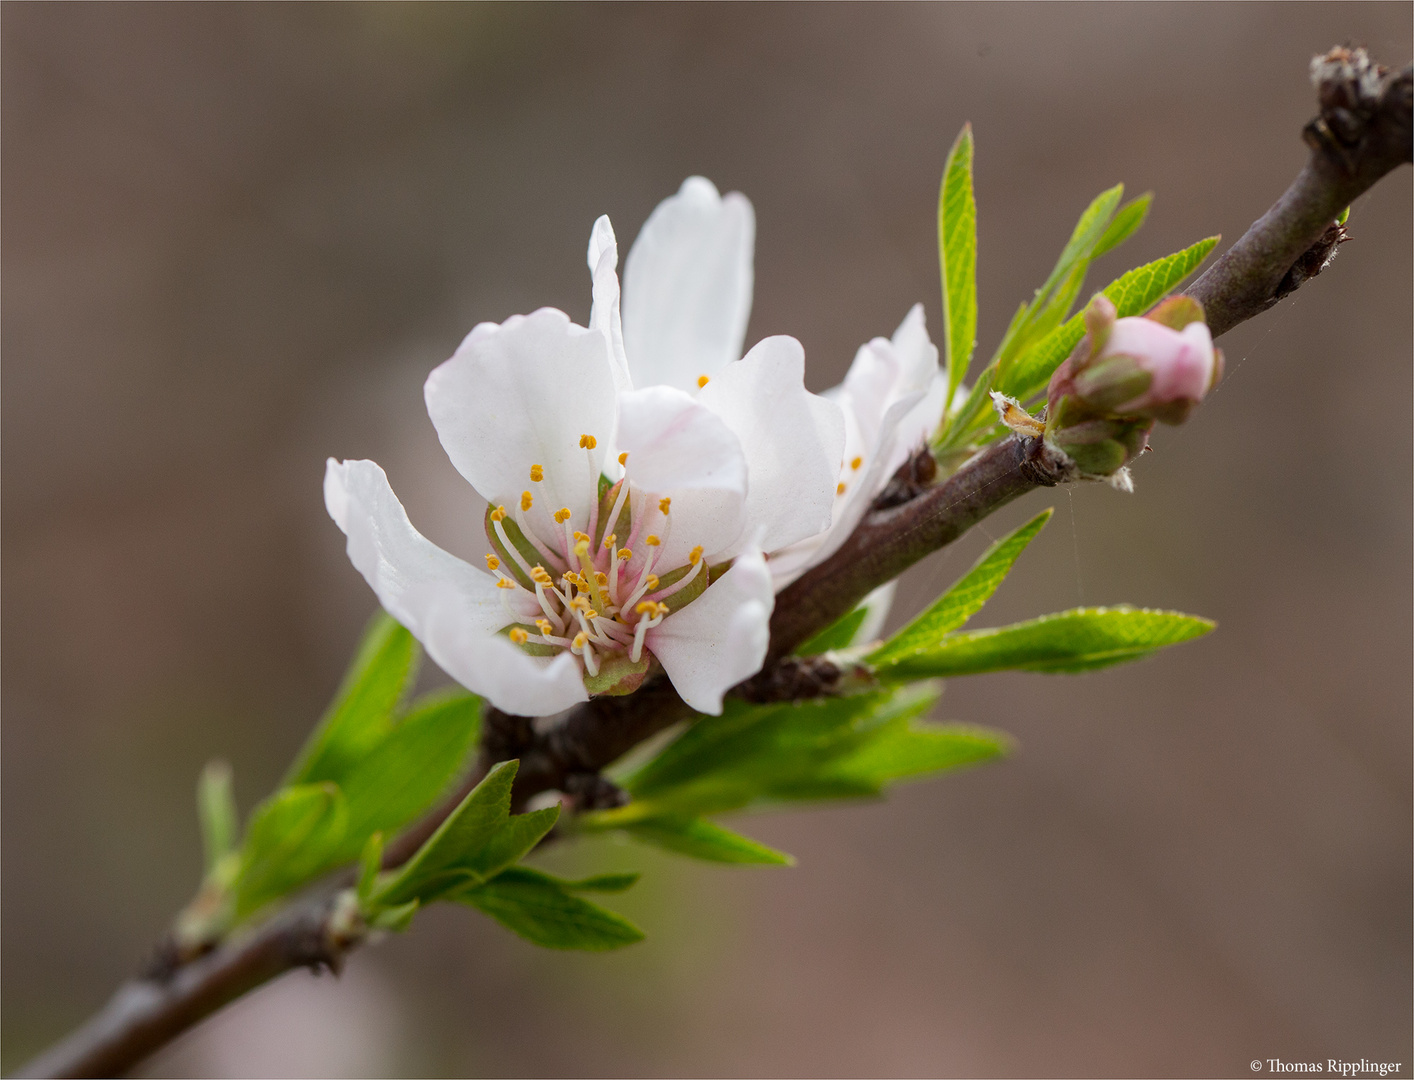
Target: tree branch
1362, 133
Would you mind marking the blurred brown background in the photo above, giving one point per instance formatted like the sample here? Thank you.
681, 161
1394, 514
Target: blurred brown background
236, 238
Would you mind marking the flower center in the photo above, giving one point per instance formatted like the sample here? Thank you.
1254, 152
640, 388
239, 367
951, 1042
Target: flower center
593, 587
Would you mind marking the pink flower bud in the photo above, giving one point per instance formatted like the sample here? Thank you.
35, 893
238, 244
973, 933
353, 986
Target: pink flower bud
1182, 365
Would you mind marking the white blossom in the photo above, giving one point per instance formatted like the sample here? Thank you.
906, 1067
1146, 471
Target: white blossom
636, 473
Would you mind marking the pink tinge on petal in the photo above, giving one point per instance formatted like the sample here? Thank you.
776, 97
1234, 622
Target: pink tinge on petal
1181, 362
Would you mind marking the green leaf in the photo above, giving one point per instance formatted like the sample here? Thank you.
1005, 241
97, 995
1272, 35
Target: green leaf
540, 909
1125, 224
964, 599
605, 883
361, 713
395, 919
478, 839
370, 863
216, 810
702, 839
1069, 641
957, 250
919, 749
289, 841
1132, 294
404, 774
1344, 216
724, 762
839, 635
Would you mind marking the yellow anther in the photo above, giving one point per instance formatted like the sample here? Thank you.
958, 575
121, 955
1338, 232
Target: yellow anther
536, 474
663, 505
541, 576
588, 442
702, 381
562, 515
650, 582
694, 555
856, 463
492, 562
580, 641
505, 583
623, 458
519, 636
609, 542
839, 488
578, 536
646, 607
600, 578
574, 579
543, 625
625, 554
525, 500
498, 514
590, 613
651, 540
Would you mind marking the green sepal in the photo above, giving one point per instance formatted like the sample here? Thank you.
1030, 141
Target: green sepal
531, 648
1176, 312
1106, 385
618, 675
541, 909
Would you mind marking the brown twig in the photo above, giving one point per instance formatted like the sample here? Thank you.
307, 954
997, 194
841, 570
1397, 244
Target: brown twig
1362, 133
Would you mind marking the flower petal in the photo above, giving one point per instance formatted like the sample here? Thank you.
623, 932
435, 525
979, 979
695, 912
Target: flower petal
454, 609
793, 440
721, 637
510, 679
604, 314
680, 448
687, 286
522, 394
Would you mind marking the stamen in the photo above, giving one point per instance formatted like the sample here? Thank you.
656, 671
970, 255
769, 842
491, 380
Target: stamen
581, 639
525, 500
545, 627
624, 555
505, 583
519, 636
491, 561
839, 488
702, 380
600, 578
856, 463
562, 515
694, 555
623, 458
651, 540
651, 581
663, 505
506, 545
536, 474
541, 576
609, 542
588, 442
498, 514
